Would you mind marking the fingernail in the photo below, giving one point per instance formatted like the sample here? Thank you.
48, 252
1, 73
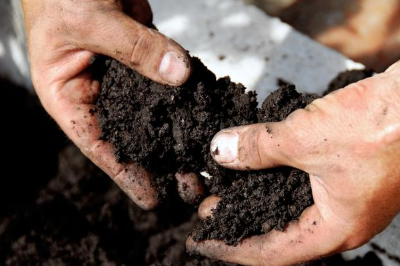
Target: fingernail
224, 147
174, 68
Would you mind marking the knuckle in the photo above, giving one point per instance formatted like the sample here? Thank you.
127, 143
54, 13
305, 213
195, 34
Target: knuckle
141, 48
297, 134
315, 105
296, 116
359, 88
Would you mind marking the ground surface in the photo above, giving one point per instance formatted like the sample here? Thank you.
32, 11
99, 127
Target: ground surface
74, 214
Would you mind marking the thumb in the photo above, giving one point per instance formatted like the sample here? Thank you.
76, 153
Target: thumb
257, 146
145, 50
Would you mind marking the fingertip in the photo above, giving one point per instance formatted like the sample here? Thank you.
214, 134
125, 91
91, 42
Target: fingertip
147, 204
190, 188
207, 206
251, 147
191, 246
224, 146
196, 248
136, 183
175, 67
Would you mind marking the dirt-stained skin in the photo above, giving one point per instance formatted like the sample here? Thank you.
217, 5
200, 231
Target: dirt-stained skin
63, 36
349, 143
190, 188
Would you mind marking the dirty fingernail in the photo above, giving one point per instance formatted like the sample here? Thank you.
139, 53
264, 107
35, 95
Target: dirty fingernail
174, 68
224, 147
207, 206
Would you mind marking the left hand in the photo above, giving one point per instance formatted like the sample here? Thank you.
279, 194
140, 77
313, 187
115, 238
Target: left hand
63, 36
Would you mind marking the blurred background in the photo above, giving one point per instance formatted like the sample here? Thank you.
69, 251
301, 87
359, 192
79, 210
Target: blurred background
367, 31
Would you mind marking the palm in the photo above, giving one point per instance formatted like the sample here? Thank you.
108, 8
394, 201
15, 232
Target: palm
62, 38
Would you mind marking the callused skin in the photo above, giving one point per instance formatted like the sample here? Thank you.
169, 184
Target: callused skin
63, 36
349, 143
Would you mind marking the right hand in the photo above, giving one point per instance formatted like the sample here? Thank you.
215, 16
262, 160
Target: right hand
349, 143
63, 36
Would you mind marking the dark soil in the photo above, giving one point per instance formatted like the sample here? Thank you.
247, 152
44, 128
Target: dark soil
30, 144
62, 210
348, 77
255, 202
82, 218
168, 129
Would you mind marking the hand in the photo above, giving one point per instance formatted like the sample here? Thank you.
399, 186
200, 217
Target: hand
349, 143
63, 36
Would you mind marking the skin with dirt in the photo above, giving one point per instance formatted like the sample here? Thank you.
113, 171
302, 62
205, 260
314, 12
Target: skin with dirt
76, 214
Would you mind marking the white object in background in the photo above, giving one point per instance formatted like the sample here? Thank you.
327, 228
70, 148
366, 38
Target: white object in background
14, 63
255, 49
252, 48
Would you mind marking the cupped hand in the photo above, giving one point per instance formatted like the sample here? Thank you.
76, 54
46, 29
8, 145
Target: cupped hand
63, 36
349, 143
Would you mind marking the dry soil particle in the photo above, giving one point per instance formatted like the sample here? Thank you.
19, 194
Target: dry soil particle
168, 129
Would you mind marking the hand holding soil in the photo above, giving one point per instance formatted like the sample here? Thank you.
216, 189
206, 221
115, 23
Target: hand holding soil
63, 36
349, 143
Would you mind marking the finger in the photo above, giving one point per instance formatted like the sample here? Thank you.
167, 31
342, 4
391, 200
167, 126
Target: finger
71, 106
395, 68
255, 146
308, 239
147, 51
207, 206
139, 10
189, 188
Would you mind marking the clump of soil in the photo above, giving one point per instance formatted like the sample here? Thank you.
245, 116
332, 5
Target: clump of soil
348, 77
74, 214
255, 202
167, 129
